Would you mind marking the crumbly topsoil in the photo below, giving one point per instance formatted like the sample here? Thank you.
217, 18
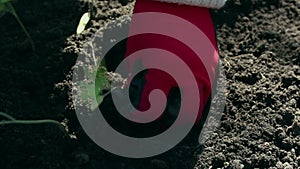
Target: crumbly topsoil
260, 127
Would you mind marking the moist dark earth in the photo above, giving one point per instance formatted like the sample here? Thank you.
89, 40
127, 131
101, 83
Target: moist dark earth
260, 50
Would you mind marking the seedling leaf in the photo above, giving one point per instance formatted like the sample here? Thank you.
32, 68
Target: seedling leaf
89, 90
83, 22
3, 8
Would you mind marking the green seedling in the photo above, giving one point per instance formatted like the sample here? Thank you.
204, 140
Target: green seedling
97, 83
83, 22
6, 6
10, 120
85, 18
89, 90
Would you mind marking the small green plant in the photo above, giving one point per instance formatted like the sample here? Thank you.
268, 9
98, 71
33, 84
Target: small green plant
11, 120
96, 84
6, 6
83, 22
85, 18
89, 89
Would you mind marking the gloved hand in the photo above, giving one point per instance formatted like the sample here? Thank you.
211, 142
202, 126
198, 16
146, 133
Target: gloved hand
155, 79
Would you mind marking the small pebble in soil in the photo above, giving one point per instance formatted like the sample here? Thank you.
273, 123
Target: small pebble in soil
280, 133
286, 165
287, 144
278, 118
279, 164
237, 164
254, 159
287, 159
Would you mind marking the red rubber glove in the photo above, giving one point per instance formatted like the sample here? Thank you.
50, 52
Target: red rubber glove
155, 79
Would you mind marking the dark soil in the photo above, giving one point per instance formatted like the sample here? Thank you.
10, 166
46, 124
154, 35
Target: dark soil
260, 127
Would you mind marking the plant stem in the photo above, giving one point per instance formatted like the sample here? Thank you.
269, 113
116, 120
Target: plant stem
30, 122
14, 13
7, 116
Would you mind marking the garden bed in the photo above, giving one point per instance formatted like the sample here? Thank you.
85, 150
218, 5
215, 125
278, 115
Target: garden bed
260, 127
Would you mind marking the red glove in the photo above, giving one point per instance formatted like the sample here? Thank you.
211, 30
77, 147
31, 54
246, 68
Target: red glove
155, 79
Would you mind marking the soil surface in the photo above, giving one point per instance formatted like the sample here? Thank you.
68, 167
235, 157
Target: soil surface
260, 127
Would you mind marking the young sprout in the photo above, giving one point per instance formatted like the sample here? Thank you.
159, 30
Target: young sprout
88, 90
85, 18
6, 6
83, 22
